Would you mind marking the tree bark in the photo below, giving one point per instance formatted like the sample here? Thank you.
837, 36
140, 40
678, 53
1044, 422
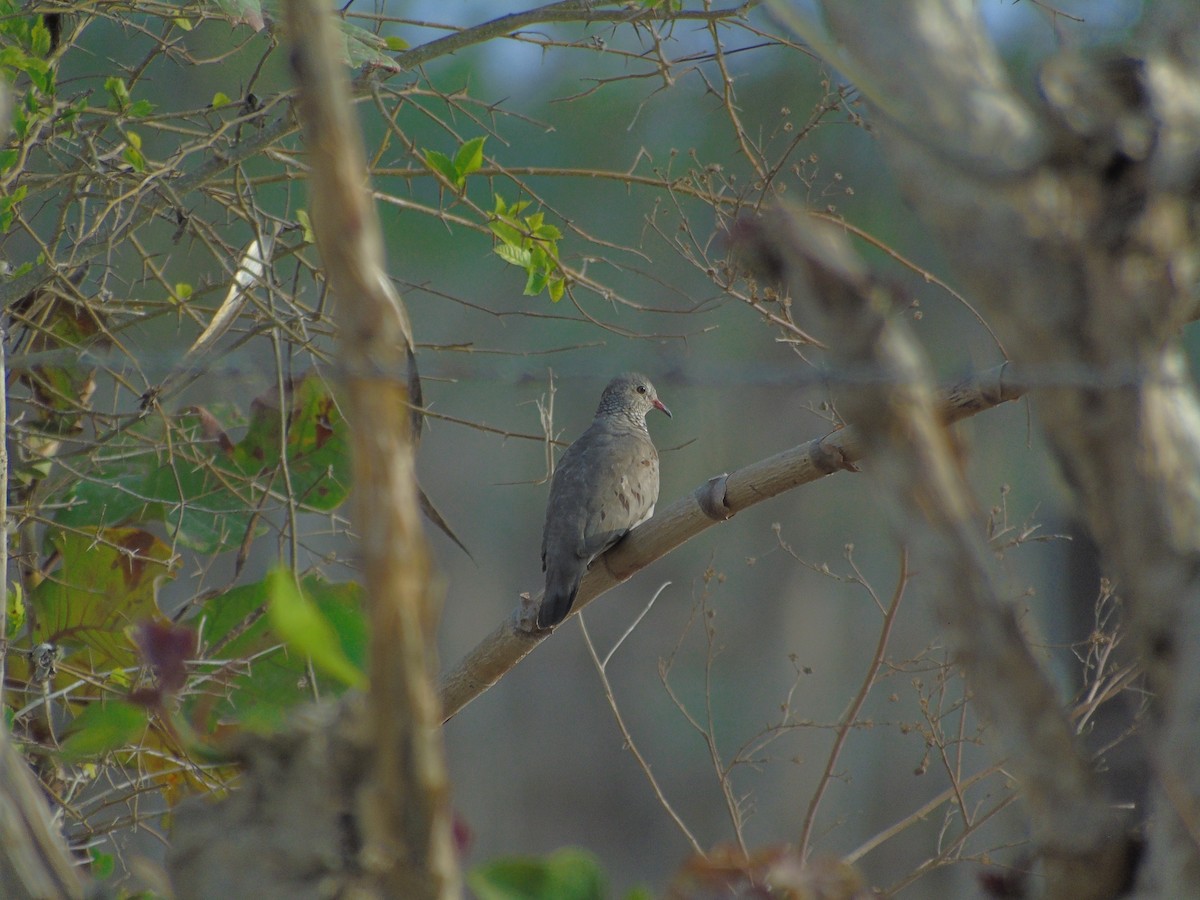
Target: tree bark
354, 800
1072, 220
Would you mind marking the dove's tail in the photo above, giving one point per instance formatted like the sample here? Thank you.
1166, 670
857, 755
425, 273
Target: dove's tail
558, 600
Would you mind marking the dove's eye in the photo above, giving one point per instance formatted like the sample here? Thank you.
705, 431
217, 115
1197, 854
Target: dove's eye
641, 389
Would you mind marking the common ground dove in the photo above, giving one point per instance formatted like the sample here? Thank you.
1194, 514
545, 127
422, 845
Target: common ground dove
605, 484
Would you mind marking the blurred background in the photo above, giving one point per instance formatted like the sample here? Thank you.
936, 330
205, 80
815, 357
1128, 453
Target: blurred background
733, 683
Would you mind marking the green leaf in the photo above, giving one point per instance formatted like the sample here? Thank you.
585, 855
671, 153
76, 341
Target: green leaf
535, 283
317, 442
259, 692
108, 578
15, 603
506, 232
299, 622
8, 159
39, 39
442, 164
103, 864
555, 288
185, 24
208, 492
8, 206
396, 43
133, 153
141, 108
365, 48
220, 99
310, 236
118, 93
516, 256
101, 728
568, 874
469, 157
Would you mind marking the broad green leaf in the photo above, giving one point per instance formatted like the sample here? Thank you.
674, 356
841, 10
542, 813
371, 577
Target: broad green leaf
396, 43
469, 157
107, 581
317, 446
141, 108
555, 288
206, 507
568, 874
365, 48
102, 727
258, 693
299, 622
209, 490
220, 99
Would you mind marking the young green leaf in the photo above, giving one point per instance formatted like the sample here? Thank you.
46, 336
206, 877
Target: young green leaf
469, 157
516, 256
299, 622
442, 164
118, 93
508, 233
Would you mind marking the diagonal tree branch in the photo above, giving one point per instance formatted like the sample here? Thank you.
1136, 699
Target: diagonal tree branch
718, 499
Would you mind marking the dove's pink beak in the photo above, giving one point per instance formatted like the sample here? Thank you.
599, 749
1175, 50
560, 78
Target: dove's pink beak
658, 404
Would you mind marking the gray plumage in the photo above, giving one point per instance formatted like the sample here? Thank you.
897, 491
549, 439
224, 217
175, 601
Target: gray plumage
605, 484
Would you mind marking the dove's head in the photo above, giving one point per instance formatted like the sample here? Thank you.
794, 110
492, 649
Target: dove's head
631, 396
